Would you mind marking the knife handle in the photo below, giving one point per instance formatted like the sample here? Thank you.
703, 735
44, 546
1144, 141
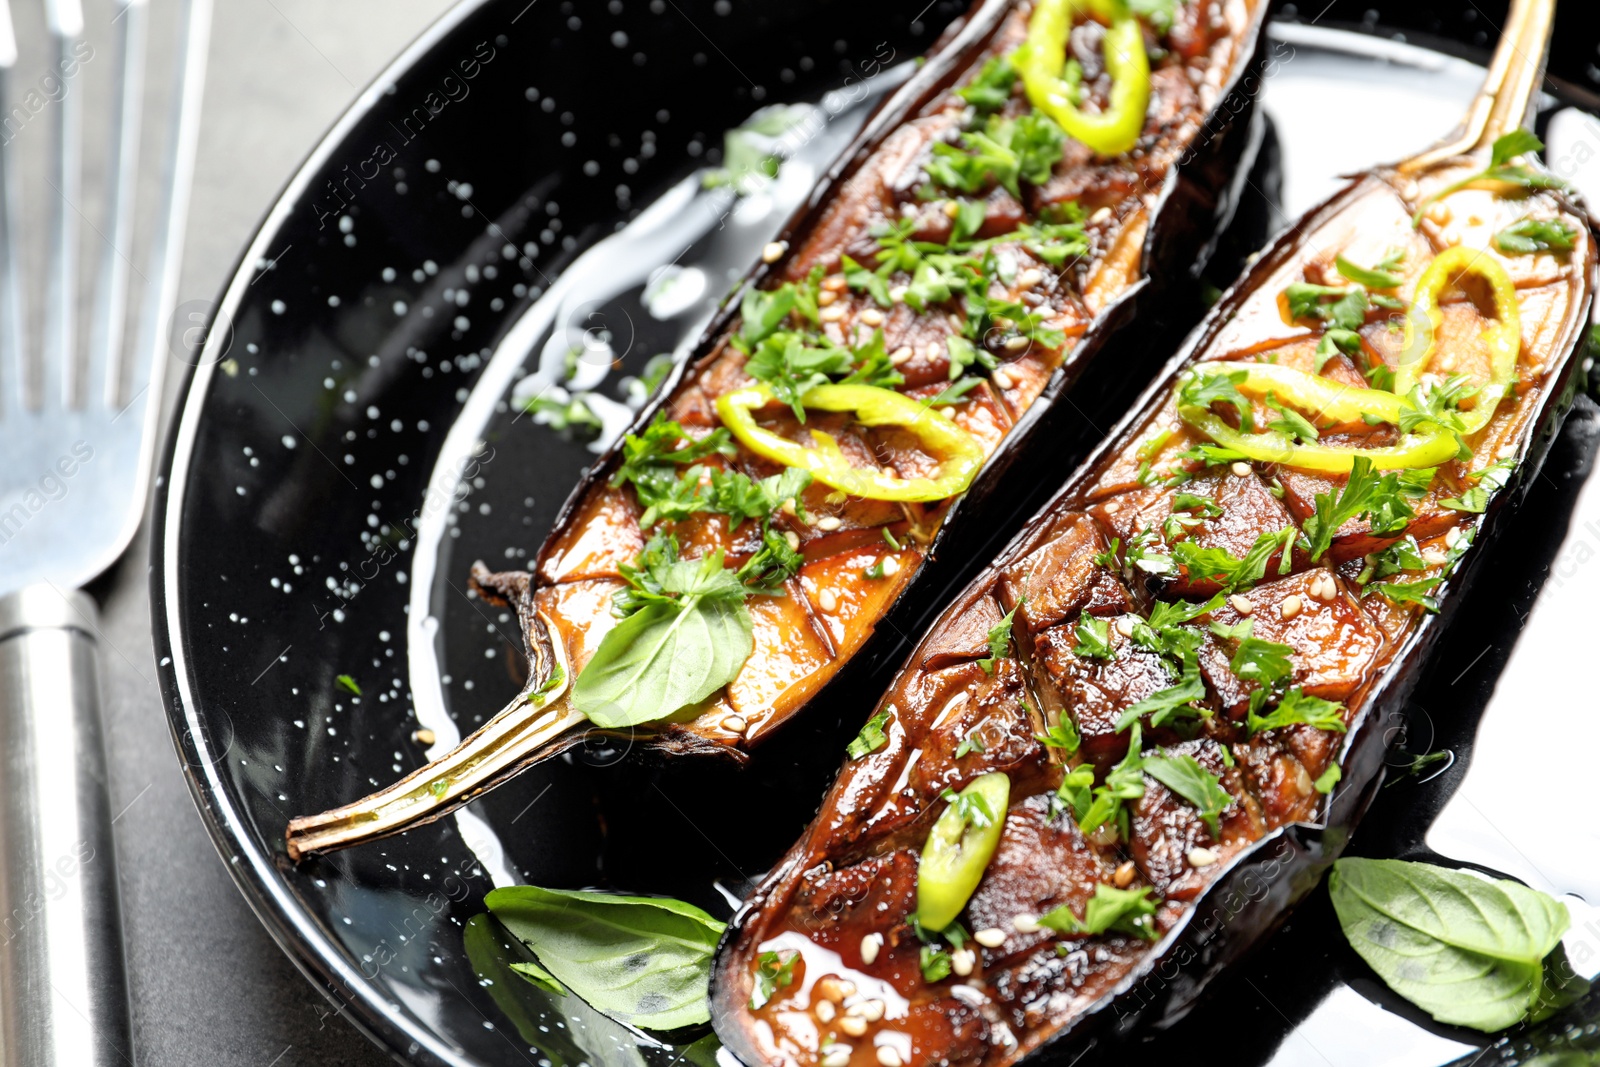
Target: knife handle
63, 988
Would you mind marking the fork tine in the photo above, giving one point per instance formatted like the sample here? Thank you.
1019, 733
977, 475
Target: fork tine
108, 328
59, 345
13, 345
161, 279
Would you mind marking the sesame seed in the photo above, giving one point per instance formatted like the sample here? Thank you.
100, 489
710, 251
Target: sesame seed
888, 1057
1125, 626
898, 294
1025, 923
962, 960
951, 208
1001, 379
835, 283
1124, 875
793, 539
828, 523
1433, 557
827, 601
872, 317
774, 251
836, 1056
854, 1025
1241, 604
835, 989
1324, 588
1201, 857
1029, 278
1452, 536
890, 565
1440, 214
734, 724
901, 355
990, 937
1240, 468
787, 507
423, 736
825, 1011
826, 297
869, 948
870, 1010
833, 313
1100, 216
1113, 507
1537, 370
1291, 606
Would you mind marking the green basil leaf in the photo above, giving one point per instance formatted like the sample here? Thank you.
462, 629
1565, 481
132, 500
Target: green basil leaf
662, 658
1468, 950
644, 961
540, 977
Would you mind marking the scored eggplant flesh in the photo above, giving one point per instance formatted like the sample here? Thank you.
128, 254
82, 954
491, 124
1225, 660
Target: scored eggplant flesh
844, 898
1144, 214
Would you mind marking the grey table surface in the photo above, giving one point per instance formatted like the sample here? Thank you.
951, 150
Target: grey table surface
208, 985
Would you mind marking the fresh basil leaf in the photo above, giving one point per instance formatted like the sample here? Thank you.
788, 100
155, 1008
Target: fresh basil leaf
1466, 949
541, 978
644, 961
664, 657
1184, 776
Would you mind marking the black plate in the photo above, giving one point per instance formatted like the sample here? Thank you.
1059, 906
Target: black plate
346, 448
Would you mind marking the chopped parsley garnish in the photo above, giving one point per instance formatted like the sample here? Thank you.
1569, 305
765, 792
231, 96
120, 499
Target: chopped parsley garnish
650, 459
1500, 169
1298, 709
1203, 390
1063, 735
973, 742
1344, 306
1110, 910
871, 738
1334, 340
1527, 236
790, 366
1123, 783
1093, 638
1378, 497
1290, 422
1378, 276
1001, 153
990, 90
1328, 779
1184, 776
774, 971
999, 639
347, 683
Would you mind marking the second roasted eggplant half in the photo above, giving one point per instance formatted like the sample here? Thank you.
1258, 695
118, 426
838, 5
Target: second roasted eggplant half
853, 416
1126, 750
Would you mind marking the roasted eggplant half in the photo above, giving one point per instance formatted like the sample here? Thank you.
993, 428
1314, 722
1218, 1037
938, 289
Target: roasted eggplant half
1135, 742
842, 444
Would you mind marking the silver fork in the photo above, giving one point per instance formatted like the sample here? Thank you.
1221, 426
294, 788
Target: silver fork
74, 469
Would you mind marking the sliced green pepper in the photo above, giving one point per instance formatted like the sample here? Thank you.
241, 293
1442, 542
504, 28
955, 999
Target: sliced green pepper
1042, 59
1413, 450
960, 454
1317, 396
959, 848
1504, 338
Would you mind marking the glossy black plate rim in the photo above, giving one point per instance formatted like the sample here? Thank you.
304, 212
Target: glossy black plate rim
313, 953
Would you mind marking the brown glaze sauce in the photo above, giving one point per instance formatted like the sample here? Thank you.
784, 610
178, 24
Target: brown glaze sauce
833, 604
851, 882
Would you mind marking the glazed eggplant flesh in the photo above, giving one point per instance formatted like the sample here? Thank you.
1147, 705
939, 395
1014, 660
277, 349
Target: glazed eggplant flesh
1181, 655
966, 262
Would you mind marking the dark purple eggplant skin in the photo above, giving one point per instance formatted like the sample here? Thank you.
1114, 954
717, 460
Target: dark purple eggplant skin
1101, 374
1263, 884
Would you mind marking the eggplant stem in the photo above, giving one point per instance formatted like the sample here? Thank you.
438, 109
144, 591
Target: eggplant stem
535, 725
1502, 103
